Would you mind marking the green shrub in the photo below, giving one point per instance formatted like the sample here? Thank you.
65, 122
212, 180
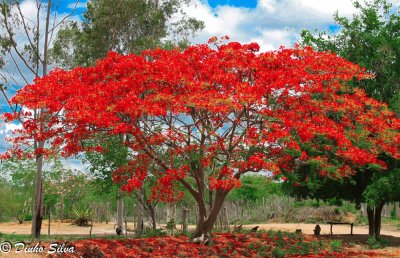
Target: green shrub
279, 252
82, 216
335, 245
28, 217
147, 232
377, 242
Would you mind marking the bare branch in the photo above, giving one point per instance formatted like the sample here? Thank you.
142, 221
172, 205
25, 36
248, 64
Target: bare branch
38, 6
52, 32
12, 78
18, 68
14, 46
63, 19
26, 31
7, 99
46, 40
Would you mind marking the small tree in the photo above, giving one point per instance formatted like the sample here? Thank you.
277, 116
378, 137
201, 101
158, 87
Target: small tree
371, 39
25, 44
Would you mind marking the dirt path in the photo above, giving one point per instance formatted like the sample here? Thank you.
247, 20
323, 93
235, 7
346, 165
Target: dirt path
325, 229
58, 228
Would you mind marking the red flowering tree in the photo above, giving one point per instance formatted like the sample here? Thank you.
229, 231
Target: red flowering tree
205, 116
329, 171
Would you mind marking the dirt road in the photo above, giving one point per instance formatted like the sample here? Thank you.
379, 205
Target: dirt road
58, 228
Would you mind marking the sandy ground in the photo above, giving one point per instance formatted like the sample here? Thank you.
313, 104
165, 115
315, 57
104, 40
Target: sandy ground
325, 229
58, 228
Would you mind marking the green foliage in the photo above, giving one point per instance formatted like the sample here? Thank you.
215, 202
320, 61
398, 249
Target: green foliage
335, 245
299, 247
17, 189
102, 164
383, 187
82, 215
377, 242
393, 212
148, 232
13, 204
125, 26
255, 187
370, 39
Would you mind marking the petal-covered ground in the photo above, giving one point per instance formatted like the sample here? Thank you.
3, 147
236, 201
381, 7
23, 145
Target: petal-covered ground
259, 244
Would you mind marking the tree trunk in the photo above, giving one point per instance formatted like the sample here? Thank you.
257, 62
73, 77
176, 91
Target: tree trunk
153, 217
62, 208
37, 215
205, 225
374, 219
371, 220
120, 211
48, 228
184, 219
201, 216
38, 203
210, 196
139, 220
378, 219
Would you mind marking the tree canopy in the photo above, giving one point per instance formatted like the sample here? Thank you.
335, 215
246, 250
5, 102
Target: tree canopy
125, 26
205, 116
371, 39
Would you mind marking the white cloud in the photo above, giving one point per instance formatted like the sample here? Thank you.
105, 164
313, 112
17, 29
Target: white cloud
12, 127
80, 5
272, 23
345, 7
269, 5
271, 39
75, 164
29, 11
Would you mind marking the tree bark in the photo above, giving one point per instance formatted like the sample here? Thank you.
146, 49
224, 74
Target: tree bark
371, 220
153, 217
375, 219
37, 215
48, 228
120, 211
139, 220
205, 225
184, 219
378, 219
62, 208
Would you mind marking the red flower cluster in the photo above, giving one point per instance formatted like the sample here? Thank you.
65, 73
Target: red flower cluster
192, 114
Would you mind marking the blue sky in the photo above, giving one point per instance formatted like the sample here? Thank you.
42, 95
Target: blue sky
271, 23
237, 3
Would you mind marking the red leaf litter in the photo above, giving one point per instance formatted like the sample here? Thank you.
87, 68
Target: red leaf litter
224, 245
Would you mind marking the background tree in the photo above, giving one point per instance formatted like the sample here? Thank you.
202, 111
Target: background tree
126, 26
255, 187
17, 192
370, 39
102, 164
25, 45
66, 188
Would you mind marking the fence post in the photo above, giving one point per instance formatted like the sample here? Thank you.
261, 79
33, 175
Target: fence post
184, 219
